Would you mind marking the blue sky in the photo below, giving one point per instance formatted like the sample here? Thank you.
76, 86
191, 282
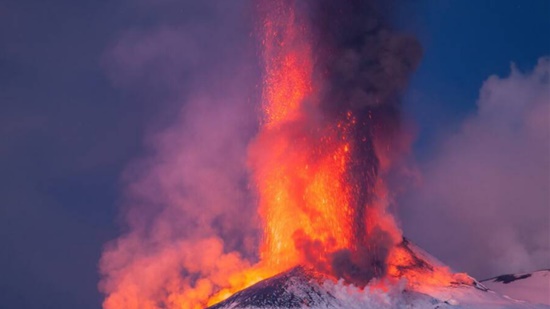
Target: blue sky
68, 133
465, 42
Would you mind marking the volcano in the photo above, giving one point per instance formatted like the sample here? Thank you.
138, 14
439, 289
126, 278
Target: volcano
323, 234
303, 287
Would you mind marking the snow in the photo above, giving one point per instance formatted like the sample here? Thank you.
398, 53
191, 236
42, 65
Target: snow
297, 288
532, 287
459, 297
304, 288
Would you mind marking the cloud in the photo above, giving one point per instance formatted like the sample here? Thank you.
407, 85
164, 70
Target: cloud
484, 202
187, 210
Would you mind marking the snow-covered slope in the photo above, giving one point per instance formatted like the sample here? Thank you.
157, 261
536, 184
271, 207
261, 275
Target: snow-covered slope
532, 287
300, 288
304, 288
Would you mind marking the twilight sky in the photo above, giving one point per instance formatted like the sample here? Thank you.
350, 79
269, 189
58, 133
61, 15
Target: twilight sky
84, 84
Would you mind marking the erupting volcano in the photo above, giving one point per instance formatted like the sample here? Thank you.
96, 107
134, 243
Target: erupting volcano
333, 75
329, 132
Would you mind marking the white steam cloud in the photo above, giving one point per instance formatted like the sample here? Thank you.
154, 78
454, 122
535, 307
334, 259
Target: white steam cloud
483, 204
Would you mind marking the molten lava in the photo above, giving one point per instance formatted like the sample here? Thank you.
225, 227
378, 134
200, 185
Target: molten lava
301, 158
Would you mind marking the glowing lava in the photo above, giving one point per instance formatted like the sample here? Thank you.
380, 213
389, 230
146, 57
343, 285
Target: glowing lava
297, 163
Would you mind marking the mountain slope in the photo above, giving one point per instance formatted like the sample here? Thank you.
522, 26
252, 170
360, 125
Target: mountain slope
532, 287
302, 287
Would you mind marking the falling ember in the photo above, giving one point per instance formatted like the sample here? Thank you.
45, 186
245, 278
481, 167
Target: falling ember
330, 113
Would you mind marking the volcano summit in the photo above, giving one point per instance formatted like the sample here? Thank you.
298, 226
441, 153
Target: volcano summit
302, 287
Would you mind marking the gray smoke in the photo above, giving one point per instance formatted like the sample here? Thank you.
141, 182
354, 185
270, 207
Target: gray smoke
363, 63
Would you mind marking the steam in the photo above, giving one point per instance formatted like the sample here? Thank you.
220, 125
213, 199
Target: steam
489, 183
190, 226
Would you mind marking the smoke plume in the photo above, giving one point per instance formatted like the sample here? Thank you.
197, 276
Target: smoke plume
489, 182
362, 67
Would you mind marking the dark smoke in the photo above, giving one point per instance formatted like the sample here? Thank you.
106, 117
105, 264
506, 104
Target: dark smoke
367, 261
363, 63
362, 67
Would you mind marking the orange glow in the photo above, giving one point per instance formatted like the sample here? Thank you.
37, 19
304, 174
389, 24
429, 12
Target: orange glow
288, 66
298, 164
241, 280
402, 264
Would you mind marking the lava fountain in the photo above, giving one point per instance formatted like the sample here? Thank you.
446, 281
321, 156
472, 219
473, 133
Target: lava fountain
333, 73
319, 205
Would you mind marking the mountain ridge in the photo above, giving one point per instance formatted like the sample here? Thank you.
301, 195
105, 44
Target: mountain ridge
303, 287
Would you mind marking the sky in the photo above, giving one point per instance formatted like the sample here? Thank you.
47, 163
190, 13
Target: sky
84, 84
